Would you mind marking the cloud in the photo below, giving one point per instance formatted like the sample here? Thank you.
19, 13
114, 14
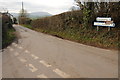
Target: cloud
51, 6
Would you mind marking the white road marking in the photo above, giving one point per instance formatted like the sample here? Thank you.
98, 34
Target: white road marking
26, 51
14, 44
41, 76
32, 68
11, 49
20, 47
16, 53
61, 73
8, 47
35, 57
22, 60
45, 63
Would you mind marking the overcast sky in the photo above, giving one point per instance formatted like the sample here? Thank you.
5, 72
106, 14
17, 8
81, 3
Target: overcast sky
51, 6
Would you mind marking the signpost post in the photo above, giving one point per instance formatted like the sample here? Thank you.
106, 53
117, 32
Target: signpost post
104, 22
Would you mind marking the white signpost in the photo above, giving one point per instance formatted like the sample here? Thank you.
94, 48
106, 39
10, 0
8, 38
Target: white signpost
104, 22
103, 19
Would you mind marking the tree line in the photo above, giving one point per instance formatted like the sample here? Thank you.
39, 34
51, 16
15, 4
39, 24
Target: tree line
91, 10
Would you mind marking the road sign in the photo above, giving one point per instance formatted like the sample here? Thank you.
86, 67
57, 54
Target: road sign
103, 19
104, 24
109, 22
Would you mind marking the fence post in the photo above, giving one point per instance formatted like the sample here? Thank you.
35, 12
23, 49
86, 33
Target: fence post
97, 28
109, 28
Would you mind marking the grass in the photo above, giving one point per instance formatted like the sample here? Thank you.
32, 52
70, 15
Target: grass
8, 37
27, 26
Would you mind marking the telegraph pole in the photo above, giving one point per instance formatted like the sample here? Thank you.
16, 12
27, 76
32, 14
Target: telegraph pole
22, 5
21, 13
22, 10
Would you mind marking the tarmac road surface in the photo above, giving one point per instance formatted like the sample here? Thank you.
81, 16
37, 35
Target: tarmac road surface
37, 55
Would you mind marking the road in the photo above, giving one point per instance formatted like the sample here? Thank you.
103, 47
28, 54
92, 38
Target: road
38, 55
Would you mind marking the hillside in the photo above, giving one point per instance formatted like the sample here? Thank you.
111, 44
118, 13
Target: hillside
39, 14
34, 14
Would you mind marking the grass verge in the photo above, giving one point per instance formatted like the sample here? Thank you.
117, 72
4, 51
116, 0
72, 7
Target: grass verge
8, 37
27, 26
93, 38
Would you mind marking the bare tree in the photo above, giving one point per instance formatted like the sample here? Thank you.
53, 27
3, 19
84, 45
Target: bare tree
79, 3
23, 15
